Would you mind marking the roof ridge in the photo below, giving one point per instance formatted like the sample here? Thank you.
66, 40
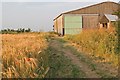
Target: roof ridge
90, 6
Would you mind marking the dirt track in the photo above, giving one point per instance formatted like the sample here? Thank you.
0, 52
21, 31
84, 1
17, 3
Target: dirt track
66, 57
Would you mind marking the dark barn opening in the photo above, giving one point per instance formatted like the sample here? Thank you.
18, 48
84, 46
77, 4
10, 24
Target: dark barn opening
104, 25
63, 32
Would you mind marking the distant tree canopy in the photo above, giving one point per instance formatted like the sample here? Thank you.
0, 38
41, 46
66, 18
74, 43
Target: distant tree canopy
19, 30
117, 13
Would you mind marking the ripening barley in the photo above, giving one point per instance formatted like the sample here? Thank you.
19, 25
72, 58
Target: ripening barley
21, 54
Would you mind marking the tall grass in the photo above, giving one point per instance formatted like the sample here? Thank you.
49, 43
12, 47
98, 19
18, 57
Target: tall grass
100, 43
22, 55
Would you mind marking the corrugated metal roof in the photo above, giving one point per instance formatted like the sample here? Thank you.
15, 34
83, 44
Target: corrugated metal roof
84, 8
92, 6
111, 17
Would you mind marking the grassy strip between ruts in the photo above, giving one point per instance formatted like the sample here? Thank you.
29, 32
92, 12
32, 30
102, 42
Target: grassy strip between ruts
60, 65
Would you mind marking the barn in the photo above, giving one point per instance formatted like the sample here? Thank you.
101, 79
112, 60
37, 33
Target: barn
90, 17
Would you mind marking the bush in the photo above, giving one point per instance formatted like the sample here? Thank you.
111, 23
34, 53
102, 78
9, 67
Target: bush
99, 43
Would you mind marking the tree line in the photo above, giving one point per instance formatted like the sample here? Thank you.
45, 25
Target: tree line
19, 30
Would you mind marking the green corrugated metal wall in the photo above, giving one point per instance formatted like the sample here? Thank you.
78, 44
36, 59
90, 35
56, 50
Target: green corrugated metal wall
72, 24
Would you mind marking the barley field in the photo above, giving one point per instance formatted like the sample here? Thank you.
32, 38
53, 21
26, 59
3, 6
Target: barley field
22, 55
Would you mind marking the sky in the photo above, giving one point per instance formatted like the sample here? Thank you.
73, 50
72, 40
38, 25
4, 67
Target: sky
37, 14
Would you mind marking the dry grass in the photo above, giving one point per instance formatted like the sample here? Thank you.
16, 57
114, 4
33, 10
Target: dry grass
101, 44
22, 57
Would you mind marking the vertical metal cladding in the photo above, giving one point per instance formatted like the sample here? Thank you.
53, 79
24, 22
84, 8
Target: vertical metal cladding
72, 23
60, 24
90, 21
55, 26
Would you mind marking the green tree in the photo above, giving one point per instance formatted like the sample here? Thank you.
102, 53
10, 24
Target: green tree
28, 30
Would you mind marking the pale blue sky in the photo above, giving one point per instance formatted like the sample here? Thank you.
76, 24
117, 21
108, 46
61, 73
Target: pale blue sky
36, 14
57, 0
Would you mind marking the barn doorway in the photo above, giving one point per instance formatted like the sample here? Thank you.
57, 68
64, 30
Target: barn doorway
104, 25
63, 31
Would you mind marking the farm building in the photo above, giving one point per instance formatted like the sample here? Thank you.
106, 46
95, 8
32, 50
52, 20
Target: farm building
94, 16
107, 19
